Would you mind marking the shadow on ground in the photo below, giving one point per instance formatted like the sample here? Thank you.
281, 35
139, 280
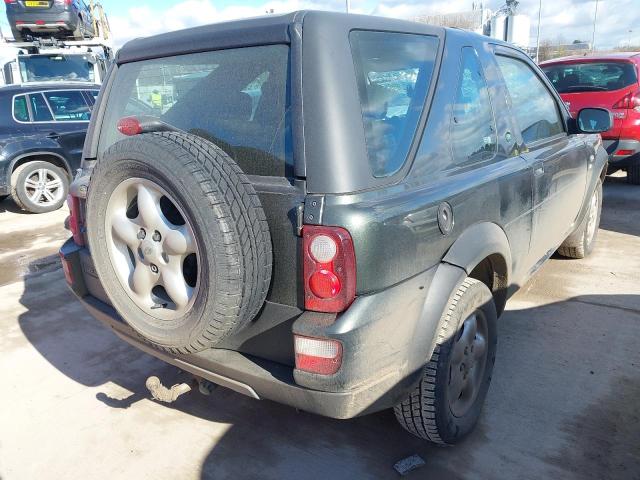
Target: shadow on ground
620, 201
563, 403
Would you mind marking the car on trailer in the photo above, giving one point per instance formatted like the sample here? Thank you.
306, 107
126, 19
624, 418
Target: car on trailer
50, 18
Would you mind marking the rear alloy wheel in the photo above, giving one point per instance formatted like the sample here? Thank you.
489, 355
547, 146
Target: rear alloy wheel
446, 404
39, 187
155, 254
581, 242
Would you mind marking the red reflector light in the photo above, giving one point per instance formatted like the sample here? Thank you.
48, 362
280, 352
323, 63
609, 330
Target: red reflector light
317, 355
624, 152
19, 22
68, 2
630, 100
66, 268
39, 22
329, 268
11, 1
129, 126
75, 221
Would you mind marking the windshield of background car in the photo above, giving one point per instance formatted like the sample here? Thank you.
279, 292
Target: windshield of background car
591, 76
236, 98
394, 71
47, 68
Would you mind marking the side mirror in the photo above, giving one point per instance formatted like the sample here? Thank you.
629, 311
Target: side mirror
594, 120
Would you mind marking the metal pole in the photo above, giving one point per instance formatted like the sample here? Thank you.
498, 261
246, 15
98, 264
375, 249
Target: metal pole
348, 5
538, 35
593, 36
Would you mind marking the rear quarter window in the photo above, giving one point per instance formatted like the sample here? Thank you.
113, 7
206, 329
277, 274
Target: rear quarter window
20, 111
236, 98
393, 72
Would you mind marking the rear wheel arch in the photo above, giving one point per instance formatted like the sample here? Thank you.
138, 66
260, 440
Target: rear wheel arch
483, 252
53, 158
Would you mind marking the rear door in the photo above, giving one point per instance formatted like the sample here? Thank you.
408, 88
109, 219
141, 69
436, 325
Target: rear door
238, 99
62, 116
559, 160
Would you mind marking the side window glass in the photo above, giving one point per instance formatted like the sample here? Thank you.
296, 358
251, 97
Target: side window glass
68, 106
20, 111
39, 108
533, 106
473, 130
394, 71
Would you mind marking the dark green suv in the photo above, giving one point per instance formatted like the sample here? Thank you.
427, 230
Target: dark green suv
327, 210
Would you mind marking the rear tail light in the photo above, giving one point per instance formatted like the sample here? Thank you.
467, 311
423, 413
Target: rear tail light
39, 22
66, 268
329, 268
68, 2
629, 101
623, 152
75, 221
10, 1
317, 355
19, 22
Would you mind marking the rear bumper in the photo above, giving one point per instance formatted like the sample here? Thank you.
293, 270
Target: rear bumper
53, 21
631, 157
380, 365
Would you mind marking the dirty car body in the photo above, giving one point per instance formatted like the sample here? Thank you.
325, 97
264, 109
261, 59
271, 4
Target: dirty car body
422, 219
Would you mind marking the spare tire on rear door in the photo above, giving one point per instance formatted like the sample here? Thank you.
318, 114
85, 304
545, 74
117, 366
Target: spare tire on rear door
179, 239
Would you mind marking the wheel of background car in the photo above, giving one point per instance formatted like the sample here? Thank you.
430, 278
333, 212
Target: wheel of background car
179, 239
39, 186
446, 404
581, 242
80, 31
633, 174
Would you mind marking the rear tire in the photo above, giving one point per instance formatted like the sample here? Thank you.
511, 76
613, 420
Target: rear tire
446, 404
633, 174
581, 242
39, 187
182, 306
80, 32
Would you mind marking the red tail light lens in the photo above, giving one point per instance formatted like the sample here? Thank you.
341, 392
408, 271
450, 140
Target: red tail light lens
10, 1
39, 22
75, 221
317, 355
129, 126
329, 268
630, 100
68, 2
623, 152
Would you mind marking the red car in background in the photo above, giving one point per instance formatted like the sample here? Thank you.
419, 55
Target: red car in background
608, 81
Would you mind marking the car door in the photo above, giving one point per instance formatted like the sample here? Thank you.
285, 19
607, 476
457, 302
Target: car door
62, 116
558, 160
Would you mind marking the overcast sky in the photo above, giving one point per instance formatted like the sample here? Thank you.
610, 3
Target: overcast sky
567, 19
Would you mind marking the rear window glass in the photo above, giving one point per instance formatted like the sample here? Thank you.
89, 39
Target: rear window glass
591, 76
393, 71
236, 98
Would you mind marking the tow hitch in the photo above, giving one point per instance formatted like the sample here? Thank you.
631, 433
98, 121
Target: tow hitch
169, 395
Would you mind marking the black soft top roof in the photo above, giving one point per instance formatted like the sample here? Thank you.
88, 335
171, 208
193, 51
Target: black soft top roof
263, 30
268, 29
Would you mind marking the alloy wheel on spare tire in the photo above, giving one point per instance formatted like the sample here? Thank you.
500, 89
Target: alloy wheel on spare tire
179, 239
39, 187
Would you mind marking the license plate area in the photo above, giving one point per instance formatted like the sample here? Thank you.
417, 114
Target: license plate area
36, 4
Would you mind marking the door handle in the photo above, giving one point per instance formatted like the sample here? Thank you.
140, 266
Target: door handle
53, 136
